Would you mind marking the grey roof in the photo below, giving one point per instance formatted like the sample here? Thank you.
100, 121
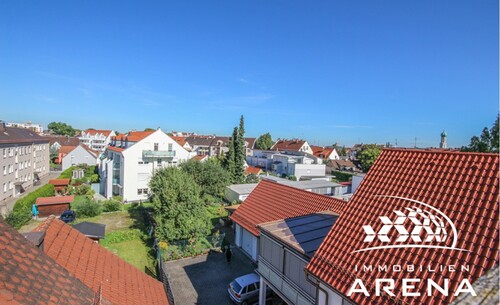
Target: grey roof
486, 288
63, 140
91, 229
199, 140
303, 233
12, 135
303, 185
243, 189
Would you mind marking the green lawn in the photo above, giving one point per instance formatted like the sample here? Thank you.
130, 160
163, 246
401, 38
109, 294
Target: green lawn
136, 252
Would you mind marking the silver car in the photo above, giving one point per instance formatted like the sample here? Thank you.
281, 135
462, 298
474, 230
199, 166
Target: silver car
244, 290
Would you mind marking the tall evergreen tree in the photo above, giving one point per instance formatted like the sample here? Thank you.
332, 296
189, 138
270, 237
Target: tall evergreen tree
229, 160
494, 136
240, 153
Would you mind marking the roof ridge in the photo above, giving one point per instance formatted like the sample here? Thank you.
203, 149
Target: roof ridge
440, 151
45, 224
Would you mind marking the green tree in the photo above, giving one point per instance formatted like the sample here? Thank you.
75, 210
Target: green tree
60, 128
209, 175
178, 209
367, 156
149, 129
229, 160
264, 142
240, 153
486, 142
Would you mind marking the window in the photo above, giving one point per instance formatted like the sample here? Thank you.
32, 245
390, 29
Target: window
250, 287
4, 153
5, 187
156, 146
169, 146
5, 170
139, 191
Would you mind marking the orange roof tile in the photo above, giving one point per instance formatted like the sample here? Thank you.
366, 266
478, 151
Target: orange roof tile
54, 200
59, 182
294, 145
136, 136
66, 149
271, 201
180, 140
116, 149
28, 276
199, 157
97, 267
98, 131
252, 170
463, 186
322, 152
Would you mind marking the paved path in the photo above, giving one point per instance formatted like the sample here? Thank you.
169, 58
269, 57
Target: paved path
7, 205
203, 280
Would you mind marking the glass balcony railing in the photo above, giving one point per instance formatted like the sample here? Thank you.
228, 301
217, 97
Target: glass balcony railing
158, 154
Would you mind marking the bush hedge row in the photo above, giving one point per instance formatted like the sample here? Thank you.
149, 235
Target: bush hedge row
21, 213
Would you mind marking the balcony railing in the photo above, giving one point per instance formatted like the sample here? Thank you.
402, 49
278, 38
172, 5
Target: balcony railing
158, 154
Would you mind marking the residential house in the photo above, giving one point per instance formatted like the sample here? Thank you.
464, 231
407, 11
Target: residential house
453, 205
182, 142
96, 139
110, 277
215, 145
80, 154
272, 201
325, 153
200, 144
60, 185
128, 164
296, 145
24, 158
56, 142
54, 205
289, 163
286, 246
252, 170
342, 165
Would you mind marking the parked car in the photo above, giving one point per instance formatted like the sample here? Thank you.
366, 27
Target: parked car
244, 290
68, 216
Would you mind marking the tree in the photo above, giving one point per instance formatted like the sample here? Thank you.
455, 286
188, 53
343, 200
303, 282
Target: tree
367, 156
178, 209
486, 142
264, 142
239, 153
60, 128
229, 160
149, 129
209, 175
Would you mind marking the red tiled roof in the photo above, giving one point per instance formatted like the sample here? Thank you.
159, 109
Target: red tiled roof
199, 157
28, 276
464, 186
271, 201
180, 140
98, 131
288, 145
94, 265
346, 183
59, 182
322, 152
54, 200
252, 170
113, 148
136, 136
66, 149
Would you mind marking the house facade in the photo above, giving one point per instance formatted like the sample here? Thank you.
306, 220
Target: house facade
296, 145
96, 139
24, 157
128, 164
325, 153
79, 155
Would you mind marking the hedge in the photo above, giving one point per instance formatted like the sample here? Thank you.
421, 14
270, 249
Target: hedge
68, 173
21, 213
342, 176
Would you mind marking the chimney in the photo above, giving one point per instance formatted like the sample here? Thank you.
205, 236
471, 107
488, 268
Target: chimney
36, 238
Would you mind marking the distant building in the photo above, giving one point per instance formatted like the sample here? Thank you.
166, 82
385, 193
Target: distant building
96, 139
215, 145
325, 153
28, 125
55, 142
296, 145
443, 144
24, 157
80, 154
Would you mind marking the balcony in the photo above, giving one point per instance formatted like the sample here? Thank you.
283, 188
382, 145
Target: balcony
158, 154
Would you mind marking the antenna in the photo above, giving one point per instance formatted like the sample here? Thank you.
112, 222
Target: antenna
416, 142
396, 145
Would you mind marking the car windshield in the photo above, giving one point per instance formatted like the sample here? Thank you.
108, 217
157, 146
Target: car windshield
235, 286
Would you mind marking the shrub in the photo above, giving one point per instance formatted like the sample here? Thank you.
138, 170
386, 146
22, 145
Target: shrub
118, 198
87, 208
292, 177
68, 173
111, 206
21, 213
342, 176
94, 178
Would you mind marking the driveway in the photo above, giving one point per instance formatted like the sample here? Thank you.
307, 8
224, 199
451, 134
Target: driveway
203, 280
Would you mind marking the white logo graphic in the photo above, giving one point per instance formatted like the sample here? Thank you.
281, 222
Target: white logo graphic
433, 226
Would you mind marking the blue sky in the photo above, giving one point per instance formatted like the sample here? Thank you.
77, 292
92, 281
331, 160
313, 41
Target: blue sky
326, 71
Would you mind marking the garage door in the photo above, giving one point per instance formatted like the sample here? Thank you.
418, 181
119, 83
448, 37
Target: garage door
247, 242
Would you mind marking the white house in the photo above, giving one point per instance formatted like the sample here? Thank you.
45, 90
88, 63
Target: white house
79, 155
239, 192
325, 153
129, 162
96, 139
292, 145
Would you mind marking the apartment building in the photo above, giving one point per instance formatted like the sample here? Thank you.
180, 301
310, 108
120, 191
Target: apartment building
24, 158
38, 128
96, 139
127, 165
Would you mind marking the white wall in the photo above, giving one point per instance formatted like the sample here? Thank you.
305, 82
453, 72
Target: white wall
136, 176
356, 181
79, 155
308, 170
